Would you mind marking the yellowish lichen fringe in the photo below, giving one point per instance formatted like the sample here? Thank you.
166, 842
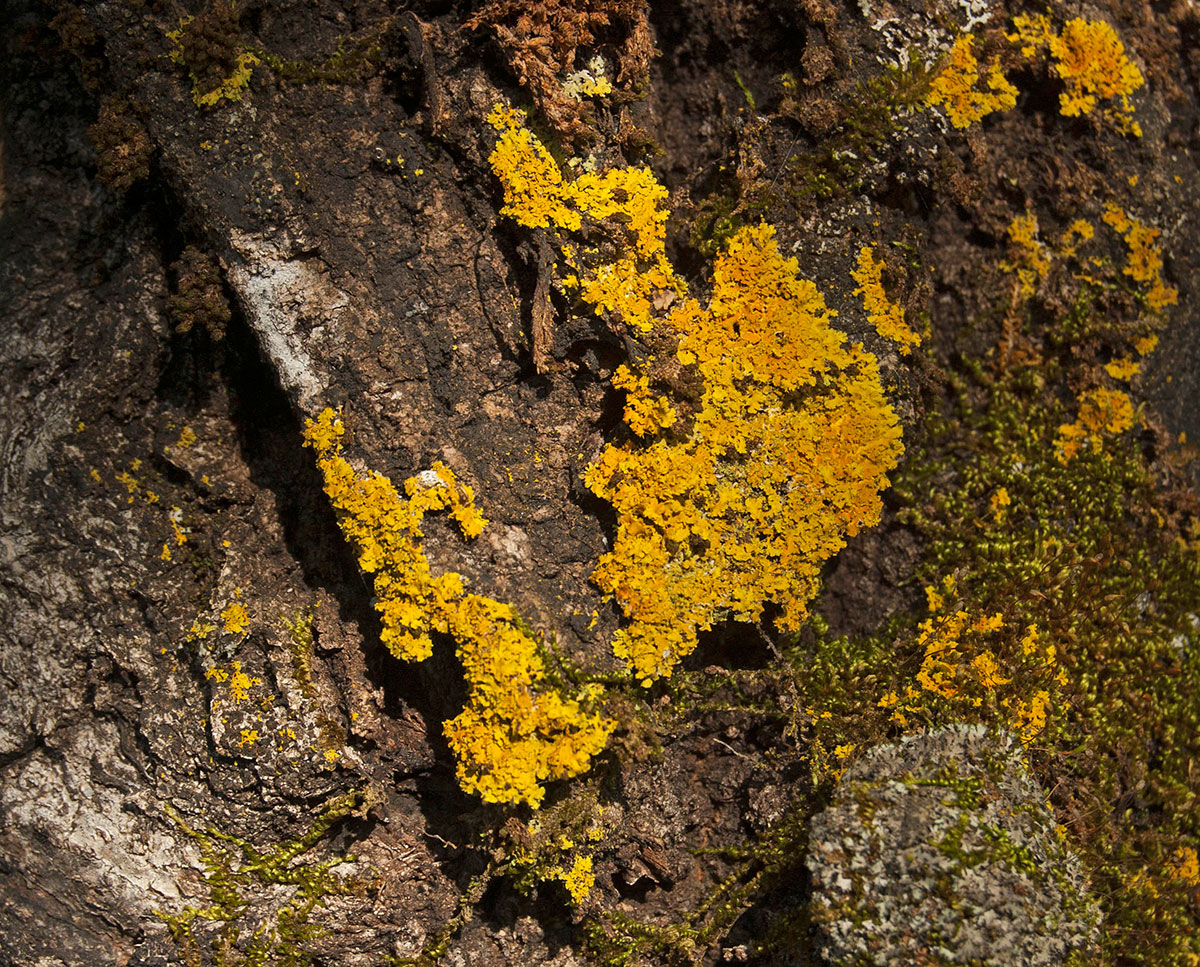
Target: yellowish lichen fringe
882, 313
516, 732
1087, 56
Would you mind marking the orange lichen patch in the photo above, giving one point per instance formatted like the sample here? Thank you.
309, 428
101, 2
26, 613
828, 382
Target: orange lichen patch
1184, 865
1123, 369
645, 413
537, 195
1144, 263
1029, 717
785, 458
1091, 60
999, 503
236, 618
1077, 233
516, 731
958, 90
882, 313
1146, 344
1101, 411
1031, 257
238, 683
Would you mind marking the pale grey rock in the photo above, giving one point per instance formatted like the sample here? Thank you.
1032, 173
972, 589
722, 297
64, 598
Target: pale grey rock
941, 849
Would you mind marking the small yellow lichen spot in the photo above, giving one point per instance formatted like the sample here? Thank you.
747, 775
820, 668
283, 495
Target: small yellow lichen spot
988, 671
236, 618
1146, 345
1184, 865
957, 89
1123, 369
882, 313
166, 551
95, 475
240, 683
537, 195
249, 737
1029, 718
1091, 59
186, 437
999, 503
332, 756
580, 879
1144, 263
1032, 263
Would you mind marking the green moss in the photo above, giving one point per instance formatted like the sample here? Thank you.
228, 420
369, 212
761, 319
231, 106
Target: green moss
238, 875
877, 110
354, 61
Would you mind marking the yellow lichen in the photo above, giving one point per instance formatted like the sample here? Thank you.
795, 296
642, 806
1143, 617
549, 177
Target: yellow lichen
1184, 866
1101, 411
786, 456
882, 313
1123, 369
1091, 60
236, 618
537, 195
645, 413
785, 453
1032, 258
958, 92
579, 879
1144, 263
516, 731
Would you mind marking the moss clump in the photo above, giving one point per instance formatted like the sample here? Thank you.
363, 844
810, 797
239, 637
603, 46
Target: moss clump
209, 46
123, 146
199, 298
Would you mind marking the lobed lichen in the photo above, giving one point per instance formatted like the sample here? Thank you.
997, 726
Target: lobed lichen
628, 201
965, 95
882, 313
784, 451
785, 457
1144, 262
1090, 58
516, 731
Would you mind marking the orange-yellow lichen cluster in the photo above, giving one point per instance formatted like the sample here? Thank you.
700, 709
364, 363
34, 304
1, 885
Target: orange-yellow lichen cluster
963, 94
516, 732
1091, 60
1144, 263
785, 456
784, 453
967, 658
1032, 257
882, 313
1101, 412
537, 195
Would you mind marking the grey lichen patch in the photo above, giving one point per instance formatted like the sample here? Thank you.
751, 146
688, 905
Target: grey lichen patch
940, 849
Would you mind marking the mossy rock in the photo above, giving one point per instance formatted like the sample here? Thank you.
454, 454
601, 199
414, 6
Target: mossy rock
940, 849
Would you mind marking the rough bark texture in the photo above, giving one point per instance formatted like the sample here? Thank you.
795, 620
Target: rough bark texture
346, 226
